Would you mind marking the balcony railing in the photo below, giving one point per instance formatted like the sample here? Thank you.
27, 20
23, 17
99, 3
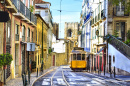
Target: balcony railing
16, 37
119, 12
119, 45
20, 6
28, 39
27, 13
23, 38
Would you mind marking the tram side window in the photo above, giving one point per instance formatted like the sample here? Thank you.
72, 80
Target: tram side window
74, 56
78, 56
83, 56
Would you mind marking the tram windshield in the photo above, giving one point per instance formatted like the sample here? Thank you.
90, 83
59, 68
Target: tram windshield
74, 56
83, 56
78, 56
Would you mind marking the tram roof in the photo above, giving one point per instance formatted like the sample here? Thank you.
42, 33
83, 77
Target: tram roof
79, 51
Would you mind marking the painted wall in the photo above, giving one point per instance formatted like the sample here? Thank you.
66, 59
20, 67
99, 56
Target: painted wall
121, 61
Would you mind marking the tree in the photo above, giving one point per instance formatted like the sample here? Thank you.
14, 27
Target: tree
125, 3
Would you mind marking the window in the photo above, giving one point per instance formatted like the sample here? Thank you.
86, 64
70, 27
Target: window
69, 33
32, 2
28, 32
23, 31
113, 59
78, 56
24, 1
28, 3
74, 56
83, 56
46, 13
32, 35
17, 29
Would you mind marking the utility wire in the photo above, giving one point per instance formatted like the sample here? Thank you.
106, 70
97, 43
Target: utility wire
65, 10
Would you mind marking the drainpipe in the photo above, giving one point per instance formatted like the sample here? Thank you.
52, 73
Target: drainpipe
42, 47
4, 45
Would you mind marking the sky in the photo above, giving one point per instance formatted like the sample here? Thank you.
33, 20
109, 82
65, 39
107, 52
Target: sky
70, 12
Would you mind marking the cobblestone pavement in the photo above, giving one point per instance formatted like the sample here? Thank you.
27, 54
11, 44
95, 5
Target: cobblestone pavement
18, 81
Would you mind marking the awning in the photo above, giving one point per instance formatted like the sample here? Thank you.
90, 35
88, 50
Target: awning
99, 50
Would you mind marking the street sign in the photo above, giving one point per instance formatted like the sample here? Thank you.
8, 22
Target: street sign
4, 16
30, 46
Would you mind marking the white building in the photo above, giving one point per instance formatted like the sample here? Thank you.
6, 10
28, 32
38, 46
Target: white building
43, 8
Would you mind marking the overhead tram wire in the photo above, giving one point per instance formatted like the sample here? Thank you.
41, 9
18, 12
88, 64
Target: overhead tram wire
64, 10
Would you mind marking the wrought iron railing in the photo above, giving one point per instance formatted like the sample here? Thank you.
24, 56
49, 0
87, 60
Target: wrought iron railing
119, 45
20, 6
117, 11
16, 37
27, 13
28, 39
23, 38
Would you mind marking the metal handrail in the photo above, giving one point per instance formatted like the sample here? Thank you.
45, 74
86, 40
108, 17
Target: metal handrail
119, 45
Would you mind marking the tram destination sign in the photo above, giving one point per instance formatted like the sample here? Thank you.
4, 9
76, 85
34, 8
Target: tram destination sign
78, 48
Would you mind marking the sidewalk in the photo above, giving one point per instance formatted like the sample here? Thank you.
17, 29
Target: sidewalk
18, 81
117, 77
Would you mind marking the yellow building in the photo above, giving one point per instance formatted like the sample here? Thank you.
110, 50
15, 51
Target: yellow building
41, 44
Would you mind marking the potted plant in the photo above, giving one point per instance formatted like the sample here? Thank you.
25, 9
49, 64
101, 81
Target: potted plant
5, 59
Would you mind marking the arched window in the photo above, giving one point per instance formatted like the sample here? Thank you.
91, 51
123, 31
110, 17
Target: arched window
69, 33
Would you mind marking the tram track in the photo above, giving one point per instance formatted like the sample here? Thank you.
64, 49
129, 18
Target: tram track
102, 79
52, 84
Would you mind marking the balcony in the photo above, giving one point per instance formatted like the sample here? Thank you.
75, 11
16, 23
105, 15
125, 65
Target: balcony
24, 13
23, 38
119, 12
16, 37
10, 6
28, 39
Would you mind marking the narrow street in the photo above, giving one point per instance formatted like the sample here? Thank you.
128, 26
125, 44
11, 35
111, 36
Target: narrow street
64, 76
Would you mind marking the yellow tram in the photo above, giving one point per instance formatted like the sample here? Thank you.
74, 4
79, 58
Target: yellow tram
78, 59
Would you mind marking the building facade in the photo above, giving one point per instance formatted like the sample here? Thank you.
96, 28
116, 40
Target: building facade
71, 37
56, 29
17, 32
43, 8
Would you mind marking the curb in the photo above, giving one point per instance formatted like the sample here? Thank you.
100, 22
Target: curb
44, 75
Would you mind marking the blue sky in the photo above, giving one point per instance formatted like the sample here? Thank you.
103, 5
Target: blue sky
71, 12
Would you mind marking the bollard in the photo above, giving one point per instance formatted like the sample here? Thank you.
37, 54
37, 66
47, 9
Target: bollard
23, 78
29, 77
37, 72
